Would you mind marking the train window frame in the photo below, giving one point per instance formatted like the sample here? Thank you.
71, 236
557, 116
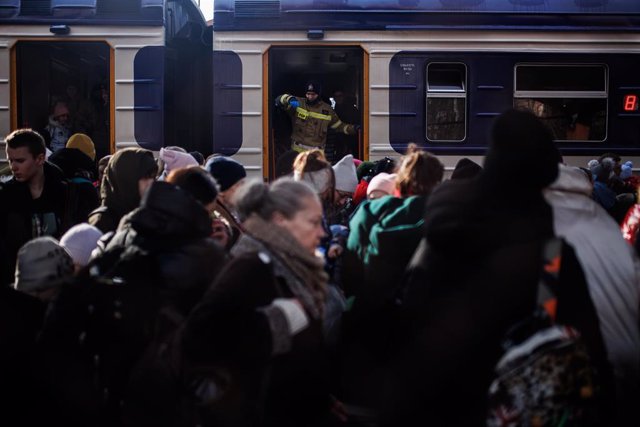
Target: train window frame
567, 97
450, 91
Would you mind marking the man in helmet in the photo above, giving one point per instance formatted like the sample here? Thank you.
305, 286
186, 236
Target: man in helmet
312, 118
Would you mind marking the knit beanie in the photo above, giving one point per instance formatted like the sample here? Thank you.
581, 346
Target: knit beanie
83, 143
42, 264
80, 240
365, 169
345, 171
226, 171
385, 182
176, 160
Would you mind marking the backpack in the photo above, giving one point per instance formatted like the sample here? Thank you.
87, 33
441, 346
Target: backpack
545, 376
97, 329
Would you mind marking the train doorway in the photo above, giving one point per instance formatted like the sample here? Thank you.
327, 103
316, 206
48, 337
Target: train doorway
340, 70
57, 79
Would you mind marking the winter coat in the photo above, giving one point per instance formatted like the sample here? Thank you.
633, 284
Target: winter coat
384, 233
80, 172
165, 260
475, 276
611, 268
275, 378
175, 229
119, 191
24, 218
311, 122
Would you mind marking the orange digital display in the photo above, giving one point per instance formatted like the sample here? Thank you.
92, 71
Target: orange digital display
630, 103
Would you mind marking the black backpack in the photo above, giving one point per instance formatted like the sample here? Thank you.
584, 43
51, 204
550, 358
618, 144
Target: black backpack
96, 331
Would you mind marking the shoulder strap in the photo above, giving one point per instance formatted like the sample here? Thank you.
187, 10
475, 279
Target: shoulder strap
550, 275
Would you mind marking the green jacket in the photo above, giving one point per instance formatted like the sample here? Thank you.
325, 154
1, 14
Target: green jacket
384, 234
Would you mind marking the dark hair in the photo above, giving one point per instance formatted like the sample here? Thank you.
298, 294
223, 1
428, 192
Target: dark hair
284, 164
521, 141
419, 172
284, 195
26, 138
195, 181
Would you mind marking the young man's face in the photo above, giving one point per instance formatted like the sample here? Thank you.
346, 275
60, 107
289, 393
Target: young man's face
24, 166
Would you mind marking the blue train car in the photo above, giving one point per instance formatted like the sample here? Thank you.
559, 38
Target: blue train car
432, 72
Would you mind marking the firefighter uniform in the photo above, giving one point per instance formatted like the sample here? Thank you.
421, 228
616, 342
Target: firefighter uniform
311, 122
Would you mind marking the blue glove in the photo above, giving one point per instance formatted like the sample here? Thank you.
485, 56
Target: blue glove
294, 103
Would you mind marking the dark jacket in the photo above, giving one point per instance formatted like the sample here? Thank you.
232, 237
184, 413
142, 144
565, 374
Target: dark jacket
166, 260
24, 218
229, 330
80, 172
476, 275
20, 321
175, 228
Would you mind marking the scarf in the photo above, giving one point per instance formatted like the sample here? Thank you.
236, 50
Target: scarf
307, 278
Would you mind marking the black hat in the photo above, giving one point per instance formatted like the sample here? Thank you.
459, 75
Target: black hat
313, 86
226, 171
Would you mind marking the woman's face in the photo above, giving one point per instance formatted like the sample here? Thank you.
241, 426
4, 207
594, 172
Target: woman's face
306, 225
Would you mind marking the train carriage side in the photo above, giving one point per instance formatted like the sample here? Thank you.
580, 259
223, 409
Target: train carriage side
117, 67
433, 73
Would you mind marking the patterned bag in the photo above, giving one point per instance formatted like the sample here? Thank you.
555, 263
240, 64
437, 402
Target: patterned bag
545, 376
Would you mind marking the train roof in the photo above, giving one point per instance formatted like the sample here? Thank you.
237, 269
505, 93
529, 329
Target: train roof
94, 12
425, 14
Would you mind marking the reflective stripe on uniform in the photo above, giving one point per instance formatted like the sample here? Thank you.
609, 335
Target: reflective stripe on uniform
336, 124
296, 146
303, 114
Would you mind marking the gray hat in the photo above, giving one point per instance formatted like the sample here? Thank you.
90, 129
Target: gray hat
42, 264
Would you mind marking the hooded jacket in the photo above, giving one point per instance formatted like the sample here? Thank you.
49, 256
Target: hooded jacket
475, 275
175, 228
119, 192
611, 268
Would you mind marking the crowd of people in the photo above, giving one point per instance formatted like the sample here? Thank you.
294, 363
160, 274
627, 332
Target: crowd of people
171, 290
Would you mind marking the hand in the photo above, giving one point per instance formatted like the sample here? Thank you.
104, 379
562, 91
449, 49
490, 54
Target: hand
294, 103
334, 251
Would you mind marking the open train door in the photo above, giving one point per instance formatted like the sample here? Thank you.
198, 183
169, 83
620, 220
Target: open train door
70, 79
341, 72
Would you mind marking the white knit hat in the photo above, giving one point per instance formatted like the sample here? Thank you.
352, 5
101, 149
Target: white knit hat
346, 177
79, 241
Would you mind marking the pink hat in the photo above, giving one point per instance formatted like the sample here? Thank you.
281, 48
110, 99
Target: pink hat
382, 183
176, 160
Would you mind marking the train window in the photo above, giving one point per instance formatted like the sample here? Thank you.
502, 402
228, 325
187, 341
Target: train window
70, 78
446, 101
571, 98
